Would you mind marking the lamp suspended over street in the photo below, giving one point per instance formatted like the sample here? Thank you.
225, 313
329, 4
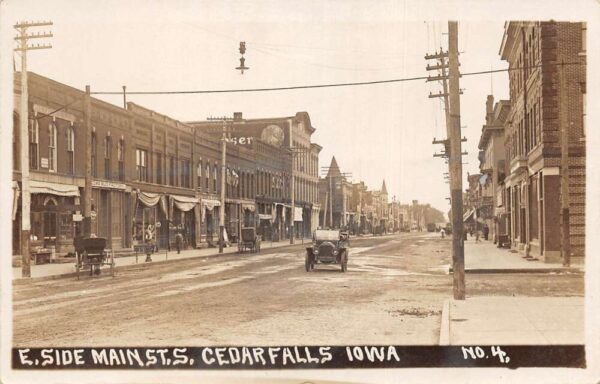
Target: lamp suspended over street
242, 66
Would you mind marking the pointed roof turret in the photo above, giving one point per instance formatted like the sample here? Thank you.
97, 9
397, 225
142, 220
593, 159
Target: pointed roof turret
383, 188
334, 169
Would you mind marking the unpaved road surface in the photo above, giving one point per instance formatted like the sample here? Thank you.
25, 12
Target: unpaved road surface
392, 294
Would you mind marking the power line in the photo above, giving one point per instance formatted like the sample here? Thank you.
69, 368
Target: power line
332, 85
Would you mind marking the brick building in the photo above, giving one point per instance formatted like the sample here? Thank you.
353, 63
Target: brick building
492, 167
547, 98
281, 147
151, 174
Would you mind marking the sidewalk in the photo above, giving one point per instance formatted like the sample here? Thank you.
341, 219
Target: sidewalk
513, 320
47, 270
485, 257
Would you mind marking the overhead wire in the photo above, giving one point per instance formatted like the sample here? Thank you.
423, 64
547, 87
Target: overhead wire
314, 86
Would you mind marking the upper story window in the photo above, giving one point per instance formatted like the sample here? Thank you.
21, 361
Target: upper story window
141, 157
159, 168
207, 176
94, 154
107, 157
215, 178
185, 174
52, 147
121, 159
172, 171
199, 174
71, 150
34, 133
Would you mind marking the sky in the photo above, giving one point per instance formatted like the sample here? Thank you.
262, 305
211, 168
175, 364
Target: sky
376, 132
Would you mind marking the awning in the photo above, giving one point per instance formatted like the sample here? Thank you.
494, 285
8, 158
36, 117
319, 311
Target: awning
263, 216
210, 204
249, 207
297, 213
184, 203
53, 188
149, 199
468, 215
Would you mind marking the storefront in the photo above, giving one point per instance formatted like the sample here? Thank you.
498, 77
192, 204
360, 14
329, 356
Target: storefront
110, 204
52, 208
209, 233
183, 212
150, 219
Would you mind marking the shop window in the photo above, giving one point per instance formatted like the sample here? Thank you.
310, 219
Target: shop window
71, 150
52, 147
65, 226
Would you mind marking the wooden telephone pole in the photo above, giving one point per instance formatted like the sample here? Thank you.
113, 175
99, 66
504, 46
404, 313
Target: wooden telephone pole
24, 46
452, 148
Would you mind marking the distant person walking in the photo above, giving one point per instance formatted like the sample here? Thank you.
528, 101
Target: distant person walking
178, 241
486, 232
443, 233
477, 235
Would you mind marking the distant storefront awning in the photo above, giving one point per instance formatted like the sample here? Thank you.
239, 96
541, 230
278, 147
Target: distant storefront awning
263, 216
210, 203
297, 213
53, 188
249, 207
184, 203
149, 199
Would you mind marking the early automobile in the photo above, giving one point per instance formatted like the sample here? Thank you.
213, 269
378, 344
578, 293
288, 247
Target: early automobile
328, 247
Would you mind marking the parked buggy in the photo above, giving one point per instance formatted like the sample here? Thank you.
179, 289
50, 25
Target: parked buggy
91, 253
249, 241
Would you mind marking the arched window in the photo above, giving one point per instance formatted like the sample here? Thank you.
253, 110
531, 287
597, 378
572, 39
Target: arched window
215, 178
207, 177
107, 157
52, 147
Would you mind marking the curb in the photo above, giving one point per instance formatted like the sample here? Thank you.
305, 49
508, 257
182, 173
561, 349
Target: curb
26, 280
521, 270
445, 324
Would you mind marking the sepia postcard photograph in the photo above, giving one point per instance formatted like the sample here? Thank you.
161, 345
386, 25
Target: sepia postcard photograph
299, 191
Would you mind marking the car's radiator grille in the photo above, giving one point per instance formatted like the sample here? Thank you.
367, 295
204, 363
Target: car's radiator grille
326, 250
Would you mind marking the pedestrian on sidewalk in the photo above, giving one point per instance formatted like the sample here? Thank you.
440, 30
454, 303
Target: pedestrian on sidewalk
443, 233
179, 241
486, 232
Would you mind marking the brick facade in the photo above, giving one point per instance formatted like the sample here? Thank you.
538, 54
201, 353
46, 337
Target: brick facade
546, 97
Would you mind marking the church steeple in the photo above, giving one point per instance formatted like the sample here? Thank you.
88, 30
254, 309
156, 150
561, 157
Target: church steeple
383, 188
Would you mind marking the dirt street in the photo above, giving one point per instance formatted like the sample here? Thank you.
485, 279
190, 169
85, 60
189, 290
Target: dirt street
392, 294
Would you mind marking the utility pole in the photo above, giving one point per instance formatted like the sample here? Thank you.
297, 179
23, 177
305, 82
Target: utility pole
455, 164
331, 203
564, 169
87, 194
23, 39
223, 175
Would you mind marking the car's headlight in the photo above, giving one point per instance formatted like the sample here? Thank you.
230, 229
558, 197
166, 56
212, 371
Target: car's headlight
316, 251
335, 252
